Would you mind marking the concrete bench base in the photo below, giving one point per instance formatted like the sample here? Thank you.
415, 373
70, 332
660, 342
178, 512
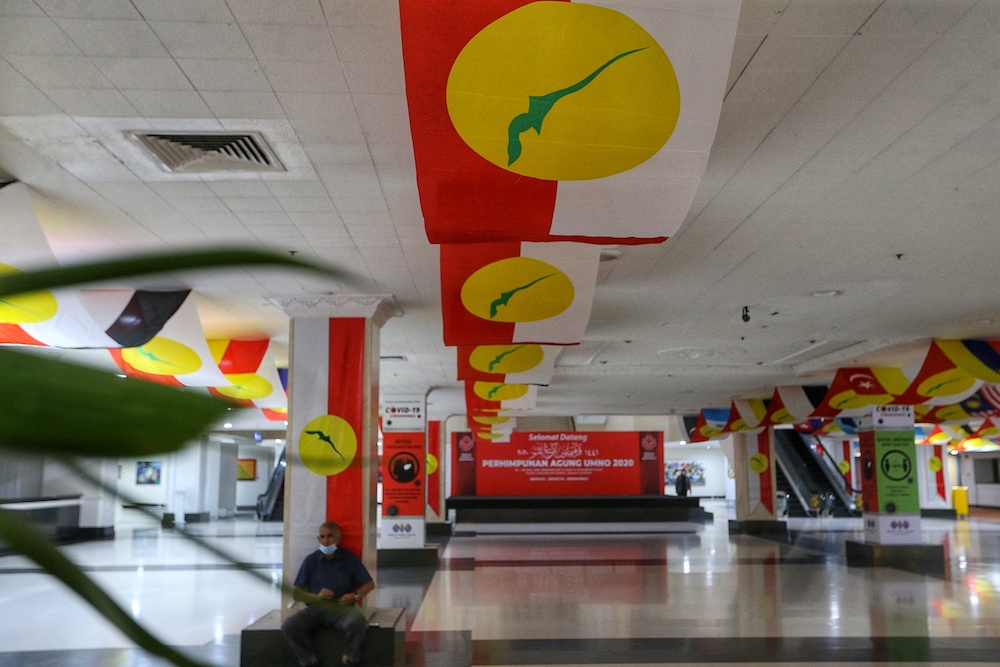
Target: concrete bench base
263, 645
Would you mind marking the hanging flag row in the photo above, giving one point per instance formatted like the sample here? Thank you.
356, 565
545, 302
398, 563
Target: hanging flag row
153, 335
958, 380
541, 130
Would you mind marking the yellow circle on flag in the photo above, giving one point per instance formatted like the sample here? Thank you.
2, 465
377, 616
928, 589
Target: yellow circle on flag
162, 356
851, 400
26, 308
517, 289
844, 467
498, 391
328, 445
506, 358
564, 91
947, 383
432, 464
247, 386
934, 463
759, 463
489, 435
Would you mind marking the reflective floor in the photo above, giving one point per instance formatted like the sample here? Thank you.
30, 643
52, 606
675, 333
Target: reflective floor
694, 598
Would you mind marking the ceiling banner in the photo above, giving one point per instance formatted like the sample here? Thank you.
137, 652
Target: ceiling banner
517, 363
939, 381
516, 108
500, 293
179, 355
250, 368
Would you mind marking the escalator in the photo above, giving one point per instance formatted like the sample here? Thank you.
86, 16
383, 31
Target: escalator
271, 503
810, 477
793, 508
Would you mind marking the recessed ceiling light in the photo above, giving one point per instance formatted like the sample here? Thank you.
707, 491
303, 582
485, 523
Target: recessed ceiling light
826, 292
227, 425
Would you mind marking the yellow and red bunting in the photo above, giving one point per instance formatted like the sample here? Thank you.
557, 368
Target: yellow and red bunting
500, 293
249, 366
179, 355
514, 105
793, 404
939, 381
978, 358
711, 424
517, 363
745, 415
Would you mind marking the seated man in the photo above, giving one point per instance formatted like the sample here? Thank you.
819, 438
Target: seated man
330, 582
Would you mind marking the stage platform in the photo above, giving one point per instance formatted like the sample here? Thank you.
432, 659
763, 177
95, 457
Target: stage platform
574, 514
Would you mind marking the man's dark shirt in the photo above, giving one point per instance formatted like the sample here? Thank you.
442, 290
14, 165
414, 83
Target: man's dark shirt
341, 574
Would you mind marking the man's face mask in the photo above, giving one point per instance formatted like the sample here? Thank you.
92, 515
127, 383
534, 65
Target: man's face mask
327, 549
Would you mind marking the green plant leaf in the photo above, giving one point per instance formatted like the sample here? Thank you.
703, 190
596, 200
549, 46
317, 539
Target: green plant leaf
141, 265
29, 541
54, 407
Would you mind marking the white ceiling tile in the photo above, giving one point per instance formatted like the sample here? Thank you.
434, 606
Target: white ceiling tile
312, 129
255, 219
240, 188
306, 204
60, 71
385, 119
361, 13
296, 188
168, 103
375, 77
293, 76
188, 190
34, 36
252, 204
26, 102
143, 73
126, 39
89, 9
219, 74
91, 102
20, 8
210, 11
292, 42
329, 153
186, 39
326, 107
286, 12
315, 218
209, 204
233, 104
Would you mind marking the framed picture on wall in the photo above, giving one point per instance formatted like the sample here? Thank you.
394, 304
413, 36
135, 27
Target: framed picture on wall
246, 470
148, 472
694, 469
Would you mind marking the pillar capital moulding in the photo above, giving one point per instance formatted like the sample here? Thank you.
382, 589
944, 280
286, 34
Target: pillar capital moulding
380, 308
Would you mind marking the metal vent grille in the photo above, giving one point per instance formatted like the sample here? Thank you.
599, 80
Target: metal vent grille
188, 152
392, 357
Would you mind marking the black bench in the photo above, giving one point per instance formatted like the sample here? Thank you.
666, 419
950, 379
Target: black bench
263, 645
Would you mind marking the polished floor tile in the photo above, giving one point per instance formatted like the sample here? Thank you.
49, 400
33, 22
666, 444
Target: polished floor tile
676, 598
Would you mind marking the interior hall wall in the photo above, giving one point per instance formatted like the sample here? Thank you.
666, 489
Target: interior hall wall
20, 476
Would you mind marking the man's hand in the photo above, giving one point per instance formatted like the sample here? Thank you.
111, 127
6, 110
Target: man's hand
326, 593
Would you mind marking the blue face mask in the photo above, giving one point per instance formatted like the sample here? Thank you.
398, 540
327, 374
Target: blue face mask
327, 550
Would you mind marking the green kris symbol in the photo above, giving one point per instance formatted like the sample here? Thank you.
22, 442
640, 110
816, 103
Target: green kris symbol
504, 298
540, 105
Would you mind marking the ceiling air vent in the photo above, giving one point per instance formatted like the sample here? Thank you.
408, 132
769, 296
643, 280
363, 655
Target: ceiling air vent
199, 153
392, 357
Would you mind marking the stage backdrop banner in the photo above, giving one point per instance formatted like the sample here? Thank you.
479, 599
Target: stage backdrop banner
557, 463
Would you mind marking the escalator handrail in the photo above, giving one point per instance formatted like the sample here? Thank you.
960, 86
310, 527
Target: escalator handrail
267, 500
828, 466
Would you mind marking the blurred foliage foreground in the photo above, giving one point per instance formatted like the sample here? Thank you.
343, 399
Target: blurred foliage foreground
50, 408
